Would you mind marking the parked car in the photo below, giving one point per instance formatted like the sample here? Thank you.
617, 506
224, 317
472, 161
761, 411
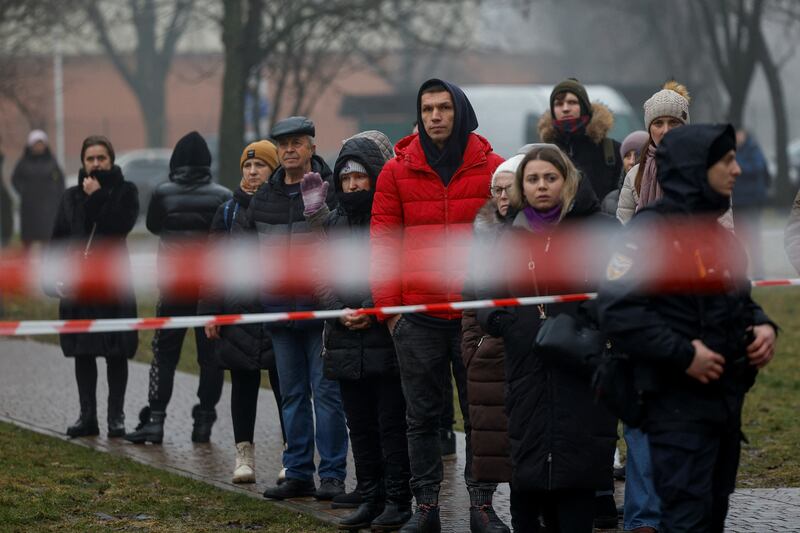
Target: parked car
146, 168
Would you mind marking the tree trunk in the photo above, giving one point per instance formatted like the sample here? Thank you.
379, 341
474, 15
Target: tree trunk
231, 123
152, 102
784, 190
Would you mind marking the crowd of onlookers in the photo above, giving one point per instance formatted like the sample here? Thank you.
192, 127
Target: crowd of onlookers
541, 388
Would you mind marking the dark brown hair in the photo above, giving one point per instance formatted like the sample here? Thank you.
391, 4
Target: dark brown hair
95, 140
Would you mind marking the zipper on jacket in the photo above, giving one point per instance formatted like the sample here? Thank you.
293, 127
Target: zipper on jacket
549, 470
480, 341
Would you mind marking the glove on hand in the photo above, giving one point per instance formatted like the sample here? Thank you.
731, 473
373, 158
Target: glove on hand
314, 191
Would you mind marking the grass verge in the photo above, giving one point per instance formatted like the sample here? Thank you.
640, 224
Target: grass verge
47, 484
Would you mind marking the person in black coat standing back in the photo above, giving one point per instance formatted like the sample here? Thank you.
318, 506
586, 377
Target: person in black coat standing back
97, 214
181, 211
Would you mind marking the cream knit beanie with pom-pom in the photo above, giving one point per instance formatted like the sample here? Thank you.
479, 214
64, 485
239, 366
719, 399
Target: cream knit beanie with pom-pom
671, 101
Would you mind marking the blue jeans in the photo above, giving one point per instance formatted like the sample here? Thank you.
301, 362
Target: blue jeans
298, 356
642, 505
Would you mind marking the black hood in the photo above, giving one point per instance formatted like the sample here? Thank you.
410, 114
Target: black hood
364, 151
190, 151
190, 175
682, 172
446, 162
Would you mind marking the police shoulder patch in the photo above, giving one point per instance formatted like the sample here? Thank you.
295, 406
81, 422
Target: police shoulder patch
618, 266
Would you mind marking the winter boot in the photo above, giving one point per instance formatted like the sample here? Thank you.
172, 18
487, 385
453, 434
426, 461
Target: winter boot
424, 520
245, 471
150, 428
369, 509
483, 519
203, 420
86, 425
393, 517
116, 417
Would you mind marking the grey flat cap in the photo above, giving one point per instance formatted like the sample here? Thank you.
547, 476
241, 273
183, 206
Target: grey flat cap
293, 126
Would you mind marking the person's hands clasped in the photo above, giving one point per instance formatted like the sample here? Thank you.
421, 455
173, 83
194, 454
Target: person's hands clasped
355, 321
762, 349
707, 365
90, 185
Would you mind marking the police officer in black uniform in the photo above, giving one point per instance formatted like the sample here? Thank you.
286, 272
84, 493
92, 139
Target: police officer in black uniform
677, 300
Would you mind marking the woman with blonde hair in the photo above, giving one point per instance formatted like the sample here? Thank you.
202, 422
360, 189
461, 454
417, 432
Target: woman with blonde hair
665, 110
561, 440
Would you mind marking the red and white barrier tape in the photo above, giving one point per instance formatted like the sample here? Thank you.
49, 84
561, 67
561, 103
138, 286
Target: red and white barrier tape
49, 327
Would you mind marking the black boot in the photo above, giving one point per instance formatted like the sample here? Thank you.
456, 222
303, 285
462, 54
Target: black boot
203, 420
349, 500
483, 519
393, 517
372, 494
424, 520
116, 417
86, 425
150, 428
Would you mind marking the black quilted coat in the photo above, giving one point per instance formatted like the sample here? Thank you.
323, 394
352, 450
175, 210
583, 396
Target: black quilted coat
86, 222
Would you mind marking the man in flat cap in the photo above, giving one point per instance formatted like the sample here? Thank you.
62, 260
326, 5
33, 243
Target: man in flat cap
276, 213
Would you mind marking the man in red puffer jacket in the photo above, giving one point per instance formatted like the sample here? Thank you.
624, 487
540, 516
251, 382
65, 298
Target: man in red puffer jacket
426, 199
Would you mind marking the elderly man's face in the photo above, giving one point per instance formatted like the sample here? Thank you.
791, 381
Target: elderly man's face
295, 151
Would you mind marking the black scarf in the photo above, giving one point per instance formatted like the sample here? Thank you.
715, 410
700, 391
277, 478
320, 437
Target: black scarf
356, 205
108, 179
448, 160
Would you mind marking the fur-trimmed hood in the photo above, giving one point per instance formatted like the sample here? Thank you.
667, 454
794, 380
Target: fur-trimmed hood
488, 219
597, 129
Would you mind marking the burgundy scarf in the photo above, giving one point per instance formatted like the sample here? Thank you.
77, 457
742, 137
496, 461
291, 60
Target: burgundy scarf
649, 189
571, 126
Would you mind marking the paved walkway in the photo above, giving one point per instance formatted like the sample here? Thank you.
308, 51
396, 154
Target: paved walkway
37, 391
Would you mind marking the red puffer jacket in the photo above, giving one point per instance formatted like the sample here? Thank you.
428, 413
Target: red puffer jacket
421, 231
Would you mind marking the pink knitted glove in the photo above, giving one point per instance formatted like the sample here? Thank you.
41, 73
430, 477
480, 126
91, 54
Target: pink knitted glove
314, 191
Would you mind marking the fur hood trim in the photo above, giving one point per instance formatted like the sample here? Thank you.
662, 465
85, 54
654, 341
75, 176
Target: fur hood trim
488, 219
597, 129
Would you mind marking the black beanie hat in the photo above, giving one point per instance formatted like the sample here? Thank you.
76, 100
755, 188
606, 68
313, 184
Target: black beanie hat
190, 151
572, 85
721, 146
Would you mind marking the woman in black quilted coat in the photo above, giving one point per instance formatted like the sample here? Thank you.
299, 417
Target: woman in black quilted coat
358, 351
99, 212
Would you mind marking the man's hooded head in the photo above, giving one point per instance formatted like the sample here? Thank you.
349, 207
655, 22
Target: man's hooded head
445, 160
684, 157
190, 151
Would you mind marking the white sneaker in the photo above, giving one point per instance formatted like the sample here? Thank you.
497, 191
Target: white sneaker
245, 471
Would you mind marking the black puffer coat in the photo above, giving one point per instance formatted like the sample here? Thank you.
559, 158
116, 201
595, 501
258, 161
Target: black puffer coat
363, 353
40, 183
277, 217
560, 439
656, 328
183, 207
111, 212
241, 346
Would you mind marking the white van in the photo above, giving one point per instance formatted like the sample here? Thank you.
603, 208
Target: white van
508, 114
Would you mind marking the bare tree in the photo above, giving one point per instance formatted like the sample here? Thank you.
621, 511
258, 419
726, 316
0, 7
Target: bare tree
157, 26
302, 46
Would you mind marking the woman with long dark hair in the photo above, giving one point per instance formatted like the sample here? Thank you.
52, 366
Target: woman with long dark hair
97, 214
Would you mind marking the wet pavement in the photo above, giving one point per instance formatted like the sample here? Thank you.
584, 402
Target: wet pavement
37, 391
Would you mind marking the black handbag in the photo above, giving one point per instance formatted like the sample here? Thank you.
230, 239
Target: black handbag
615, 386
566, 343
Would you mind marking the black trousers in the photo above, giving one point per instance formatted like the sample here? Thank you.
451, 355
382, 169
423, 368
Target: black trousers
563, 511
376, 417
167, 344
245, 385
694, 474
86, 376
